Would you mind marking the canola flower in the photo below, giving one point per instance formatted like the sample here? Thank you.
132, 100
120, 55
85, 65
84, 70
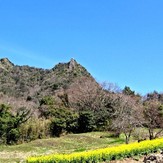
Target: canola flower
105, 154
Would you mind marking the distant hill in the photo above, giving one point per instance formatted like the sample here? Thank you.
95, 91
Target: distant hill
24, 84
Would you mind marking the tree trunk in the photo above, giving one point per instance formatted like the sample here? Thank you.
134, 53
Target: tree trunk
127, 137
127, 140
151, 134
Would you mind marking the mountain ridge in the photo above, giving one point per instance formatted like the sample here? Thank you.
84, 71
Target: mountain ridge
28, 83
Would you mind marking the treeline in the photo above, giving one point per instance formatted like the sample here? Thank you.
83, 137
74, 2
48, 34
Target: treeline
85, 107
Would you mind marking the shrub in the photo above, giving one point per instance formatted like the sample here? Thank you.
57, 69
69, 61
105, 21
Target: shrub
34, 129
63, 120
86, 121
10, 123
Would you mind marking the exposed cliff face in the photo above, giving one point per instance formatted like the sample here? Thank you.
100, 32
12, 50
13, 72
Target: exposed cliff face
72, 65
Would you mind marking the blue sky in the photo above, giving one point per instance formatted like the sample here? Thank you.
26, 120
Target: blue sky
117, 41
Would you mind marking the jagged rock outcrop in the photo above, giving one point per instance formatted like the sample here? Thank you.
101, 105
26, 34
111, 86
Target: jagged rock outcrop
6, 64
154, 158
72, 64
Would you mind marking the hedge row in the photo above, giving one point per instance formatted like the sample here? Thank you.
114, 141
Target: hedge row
105, 154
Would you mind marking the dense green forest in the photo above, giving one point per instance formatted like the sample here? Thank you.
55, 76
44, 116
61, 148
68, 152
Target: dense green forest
37, 103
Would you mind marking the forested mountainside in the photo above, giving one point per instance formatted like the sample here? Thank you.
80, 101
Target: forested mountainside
25, 83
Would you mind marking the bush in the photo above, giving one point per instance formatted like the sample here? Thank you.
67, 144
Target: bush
34, 129
10, 123
47, 100
86, 121
13, 136
63, 120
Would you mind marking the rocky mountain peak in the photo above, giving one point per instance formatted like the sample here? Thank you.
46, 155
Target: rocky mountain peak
72, 64
6, 64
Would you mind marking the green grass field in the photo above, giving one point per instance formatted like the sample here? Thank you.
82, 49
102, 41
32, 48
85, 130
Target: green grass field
65, 144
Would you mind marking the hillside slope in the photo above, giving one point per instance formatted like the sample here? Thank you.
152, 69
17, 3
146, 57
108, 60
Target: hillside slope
25, 85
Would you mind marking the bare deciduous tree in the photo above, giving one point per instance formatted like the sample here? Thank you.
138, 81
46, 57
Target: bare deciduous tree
111, 87
86, 93
127, 115
153, 114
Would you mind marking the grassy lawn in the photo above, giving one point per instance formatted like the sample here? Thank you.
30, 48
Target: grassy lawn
65, 144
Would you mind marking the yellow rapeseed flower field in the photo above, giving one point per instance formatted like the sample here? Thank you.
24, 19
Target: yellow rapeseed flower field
105, 154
